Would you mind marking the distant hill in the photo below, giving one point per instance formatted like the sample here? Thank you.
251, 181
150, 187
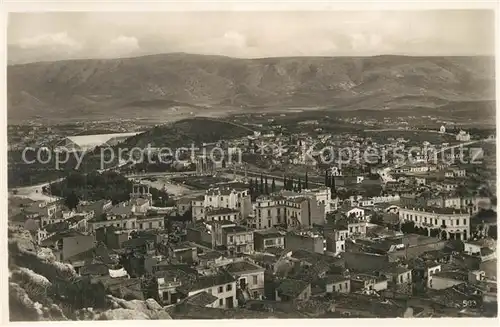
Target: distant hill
185, 82
186, 132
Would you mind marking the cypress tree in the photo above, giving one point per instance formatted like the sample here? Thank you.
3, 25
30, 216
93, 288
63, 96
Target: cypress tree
250, 186
256, 188
332, 188
285, 182
261, 184
299, 185
273, 186
327, 179
266, 187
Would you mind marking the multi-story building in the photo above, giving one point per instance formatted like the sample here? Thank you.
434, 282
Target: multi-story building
338, 284
448, 185
167, 289
471, 204
356, 228
398, 275
292, 211
423, 270
127, 222
150, 222
269, 211
198, 208
413, 200
445, 202
47, 211
222, 214
446, 222
268, 239
356, 212
249, 279
236, 239
307, 241
323, 196
222, 286
97, 207
304, 212
67, 244
184, 252
368, 283
335, 240
226, 197
222, 197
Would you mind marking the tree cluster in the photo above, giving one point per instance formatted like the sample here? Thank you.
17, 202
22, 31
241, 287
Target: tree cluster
261, 188
330, 182
290, 184
96, 186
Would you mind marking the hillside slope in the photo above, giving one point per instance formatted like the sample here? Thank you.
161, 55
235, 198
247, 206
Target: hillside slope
186, 132
44, 289
117, 86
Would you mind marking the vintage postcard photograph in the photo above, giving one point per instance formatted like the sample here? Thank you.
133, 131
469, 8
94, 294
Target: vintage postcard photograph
236, 164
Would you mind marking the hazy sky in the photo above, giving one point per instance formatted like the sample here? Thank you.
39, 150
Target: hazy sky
51, 36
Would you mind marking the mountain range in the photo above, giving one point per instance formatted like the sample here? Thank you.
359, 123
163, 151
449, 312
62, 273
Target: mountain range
171, 83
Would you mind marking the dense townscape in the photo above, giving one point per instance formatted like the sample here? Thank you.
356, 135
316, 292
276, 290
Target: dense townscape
272, 228
240, 163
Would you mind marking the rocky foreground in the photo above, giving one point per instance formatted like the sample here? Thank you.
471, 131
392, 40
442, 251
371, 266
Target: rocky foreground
43, 289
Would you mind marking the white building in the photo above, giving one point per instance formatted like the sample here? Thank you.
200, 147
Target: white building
448, 223
356, 212
386, 198
293, 210
442, 129
222, 197
337, 244
463, 136
225, 198
249, 278
221, 286
470, 204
